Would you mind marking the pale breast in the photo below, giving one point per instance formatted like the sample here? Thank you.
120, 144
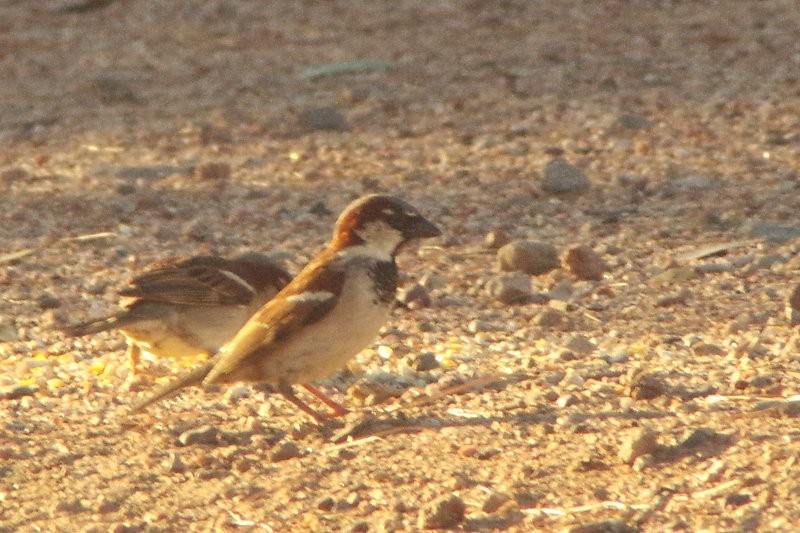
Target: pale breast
188, 331
327, 345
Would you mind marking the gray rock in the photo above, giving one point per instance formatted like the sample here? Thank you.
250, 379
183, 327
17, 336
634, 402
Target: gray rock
585, 263
510, 288
531, 257
201, 435
424, 361
643, 441
443, 513
561, 177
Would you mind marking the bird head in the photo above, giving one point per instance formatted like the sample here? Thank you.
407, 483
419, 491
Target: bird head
381, 223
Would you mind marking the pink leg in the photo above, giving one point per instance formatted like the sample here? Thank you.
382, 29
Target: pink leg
338, 410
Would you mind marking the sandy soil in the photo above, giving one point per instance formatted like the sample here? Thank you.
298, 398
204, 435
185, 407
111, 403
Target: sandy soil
662, 397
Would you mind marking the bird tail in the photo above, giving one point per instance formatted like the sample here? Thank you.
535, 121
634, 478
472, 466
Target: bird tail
94, 326
192, 377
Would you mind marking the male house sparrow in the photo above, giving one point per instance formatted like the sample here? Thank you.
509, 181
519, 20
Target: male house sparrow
188, 306
327, 314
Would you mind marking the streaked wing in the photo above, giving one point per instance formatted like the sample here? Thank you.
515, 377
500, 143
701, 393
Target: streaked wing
304, 301
203, 280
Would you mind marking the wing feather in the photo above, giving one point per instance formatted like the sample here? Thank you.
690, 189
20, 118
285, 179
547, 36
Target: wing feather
308, 298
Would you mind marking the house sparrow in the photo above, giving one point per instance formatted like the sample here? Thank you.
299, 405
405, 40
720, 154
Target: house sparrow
327, 314
188, 306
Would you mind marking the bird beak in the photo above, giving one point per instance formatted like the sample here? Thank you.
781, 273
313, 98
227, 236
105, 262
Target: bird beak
421, 228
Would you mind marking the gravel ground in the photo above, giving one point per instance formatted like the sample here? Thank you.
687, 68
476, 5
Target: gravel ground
601, 341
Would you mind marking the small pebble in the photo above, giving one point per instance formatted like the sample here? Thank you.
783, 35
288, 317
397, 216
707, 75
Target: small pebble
530, 257
414, 297
643, 441
496, 239
605, 526
175, 464
561, 177
202, 435
794, 298
580, 344
360, 527
706, 349
478, 326
326, 503
214, 171
15, 392
443, 513
424, 361
431, 281
494, 501
673, 299
585, 263
566, 400
550, 318
283, 451
510, 288
648, 387
237, 392
642, 462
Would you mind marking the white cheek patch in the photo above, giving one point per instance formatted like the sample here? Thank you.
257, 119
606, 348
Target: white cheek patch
309, 297
380, 237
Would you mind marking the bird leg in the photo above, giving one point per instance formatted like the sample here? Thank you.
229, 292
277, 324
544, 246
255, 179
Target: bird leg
288, 393
336, 407
134, 353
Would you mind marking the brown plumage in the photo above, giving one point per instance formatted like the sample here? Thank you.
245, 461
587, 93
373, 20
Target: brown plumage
188, 306
328, 313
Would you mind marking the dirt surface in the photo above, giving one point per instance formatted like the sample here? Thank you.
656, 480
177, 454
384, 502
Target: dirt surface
661, 397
